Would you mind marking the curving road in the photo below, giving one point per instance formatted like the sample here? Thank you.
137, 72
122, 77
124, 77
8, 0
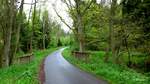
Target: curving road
59, 71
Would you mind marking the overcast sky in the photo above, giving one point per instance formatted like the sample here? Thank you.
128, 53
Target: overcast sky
61, 8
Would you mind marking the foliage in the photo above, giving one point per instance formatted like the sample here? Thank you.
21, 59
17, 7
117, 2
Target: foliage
24, 73
57, 35
115, 74
137, 11
96, 27
120, 33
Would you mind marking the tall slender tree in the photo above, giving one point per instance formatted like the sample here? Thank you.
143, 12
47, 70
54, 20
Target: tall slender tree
111, 40
17, 33
10, 7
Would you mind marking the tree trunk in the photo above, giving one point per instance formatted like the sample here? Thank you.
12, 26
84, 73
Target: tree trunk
33, 25
17, 36
1, 48
112, 38
129, 55
80, 32
7, 40
1, 60
111, 41
79, 26
81, 47
44, 34
109, 48
7, 46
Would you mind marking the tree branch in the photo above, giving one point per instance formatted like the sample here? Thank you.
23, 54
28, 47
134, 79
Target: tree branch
70, 6
87, 7
62, 19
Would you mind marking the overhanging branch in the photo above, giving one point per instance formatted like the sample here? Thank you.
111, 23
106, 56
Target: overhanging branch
62, 19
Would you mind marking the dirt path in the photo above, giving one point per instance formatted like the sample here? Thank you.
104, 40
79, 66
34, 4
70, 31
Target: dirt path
59, 71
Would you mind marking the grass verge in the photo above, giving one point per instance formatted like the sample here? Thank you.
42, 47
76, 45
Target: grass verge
24, 73
113, 73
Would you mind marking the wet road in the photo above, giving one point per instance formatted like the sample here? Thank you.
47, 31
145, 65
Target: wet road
59, 71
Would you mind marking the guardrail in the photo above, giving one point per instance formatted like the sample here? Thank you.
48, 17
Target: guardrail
80, 55
25, 58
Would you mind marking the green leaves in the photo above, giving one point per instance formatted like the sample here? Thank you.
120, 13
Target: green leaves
24, 73
113, 73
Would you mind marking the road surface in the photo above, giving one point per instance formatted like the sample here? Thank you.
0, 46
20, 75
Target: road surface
59, 71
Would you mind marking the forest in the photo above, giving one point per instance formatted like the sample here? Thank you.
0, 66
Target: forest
107, 38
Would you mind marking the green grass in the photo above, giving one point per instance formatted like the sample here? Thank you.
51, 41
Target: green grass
24, 73
113, 73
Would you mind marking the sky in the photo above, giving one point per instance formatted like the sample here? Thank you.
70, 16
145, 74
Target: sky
60, 7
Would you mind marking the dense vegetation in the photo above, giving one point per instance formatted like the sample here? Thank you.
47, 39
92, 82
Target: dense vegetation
24, 73
114, 74
24, 32
120, 28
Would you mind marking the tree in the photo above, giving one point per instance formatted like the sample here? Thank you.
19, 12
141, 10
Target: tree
137, 12
7, 25
77, 12
21, 34
33, 26
16, 38
45, 28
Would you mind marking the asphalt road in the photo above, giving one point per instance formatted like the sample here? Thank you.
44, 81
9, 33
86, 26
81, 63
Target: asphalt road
59, 71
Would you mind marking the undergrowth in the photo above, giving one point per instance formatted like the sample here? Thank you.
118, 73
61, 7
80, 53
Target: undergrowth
114, 74
24, 73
